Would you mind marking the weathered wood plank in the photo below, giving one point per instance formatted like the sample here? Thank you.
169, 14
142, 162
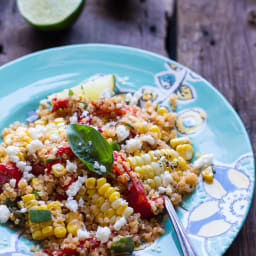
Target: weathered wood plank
141, 24
215, 40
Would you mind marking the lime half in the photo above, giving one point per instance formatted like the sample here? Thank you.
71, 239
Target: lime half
50, 15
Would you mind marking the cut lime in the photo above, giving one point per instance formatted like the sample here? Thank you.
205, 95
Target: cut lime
50, 15
90, 89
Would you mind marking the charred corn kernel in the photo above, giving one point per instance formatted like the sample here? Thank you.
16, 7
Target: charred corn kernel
58, 170
179, 141
114, 196
73, 226
128, 212
109, 191
121, 209
109, 213
151, 183
180, 173
54, 207
174, 163
60, 232
29, 201
185, 151
140, 171
91, 192
158, 181
59, 120
101, 182
47, 231
139, 161
162, 111
182, 163
207, 174
37, 235
100, 201
155, 129
105, 206
90, 183
102, 190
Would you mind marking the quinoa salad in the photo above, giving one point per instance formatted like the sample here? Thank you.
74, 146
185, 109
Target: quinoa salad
86, 175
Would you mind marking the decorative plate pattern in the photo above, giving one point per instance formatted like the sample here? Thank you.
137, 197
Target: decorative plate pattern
214, 213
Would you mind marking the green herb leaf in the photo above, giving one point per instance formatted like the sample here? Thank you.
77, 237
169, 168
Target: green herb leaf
157, 107
70, 92
40, 215
10, 203
90, 147
123, 244
36, 193
85, 104
129, 125
49, 160
115, 146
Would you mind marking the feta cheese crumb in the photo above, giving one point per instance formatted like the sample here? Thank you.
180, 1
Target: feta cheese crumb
12, 150
83, 234
23, 210
55, 137
106, 93
75, 186
85, 113
120, 223
12, 182
71, 167
133, 100
122, 132
97, 166
149, 139
102, 234
73, 119
133, 145
203, 161
81, 202
4, 214
71, 204
34, 146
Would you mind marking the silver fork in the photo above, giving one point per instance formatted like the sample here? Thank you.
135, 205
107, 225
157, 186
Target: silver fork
185, 243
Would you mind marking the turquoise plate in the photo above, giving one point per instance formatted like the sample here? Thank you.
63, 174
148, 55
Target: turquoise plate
214, 213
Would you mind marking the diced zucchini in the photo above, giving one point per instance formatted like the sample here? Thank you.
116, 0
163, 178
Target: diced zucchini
123, 244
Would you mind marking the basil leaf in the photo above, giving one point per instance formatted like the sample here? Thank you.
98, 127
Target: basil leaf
115, 146
90, 147
70, 92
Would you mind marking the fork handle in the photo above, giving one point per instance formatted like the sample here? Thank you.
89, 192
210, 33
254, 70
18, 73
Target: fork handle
185, 243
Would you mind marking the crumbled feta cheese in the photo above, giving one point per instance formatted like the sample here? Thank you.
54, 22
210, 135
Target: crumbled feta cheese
122, 132
83, 234
149, 139
27, 176
37, 132
81, 202
14, 159
128, 97
85, 113
55, 136
97, 166
106, 93
119, 105
21, 165
4, 214
73, 119
47, 142
71, 167
71, 204
12, 150
133, 100
34, 146
203, 161
103, 168
120, 223
12, 182
23, 210
75, 186
133, 145
166, 178
161, 190
102, 234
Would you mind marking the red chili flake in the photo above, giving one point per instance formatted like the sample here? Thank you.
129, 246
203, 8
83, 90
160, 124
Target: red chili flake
9, 171
59, 103
37, 169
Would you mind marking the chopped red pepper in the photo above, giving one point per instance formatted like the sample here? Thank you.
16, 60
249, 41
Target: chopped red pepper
49, 165
65, 149
48, 252
70, 181
67, 252
135, 194
9, 171
94, 243
59, 103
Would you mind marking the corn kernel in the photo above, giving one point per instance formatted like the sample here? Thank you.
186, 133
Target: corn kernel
60, 232
35, 182
182, 163
132, 161
151, 183
161, 111
47, 231
114, 196
109, 213
121, 209
59, 120
100, 201
91, 192
101, 182
140, 171
158, 181
58, 170
139, 161
155, 129
102, 190
148, 171
142, 127
90, 183
37, 235
104, 206
185, 151
73, 226
179, 141
109, 191
207, 174
128, 212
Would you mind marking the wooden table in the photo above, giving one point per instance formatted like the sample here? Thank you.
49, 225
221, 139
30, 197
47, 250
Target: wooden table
213, 38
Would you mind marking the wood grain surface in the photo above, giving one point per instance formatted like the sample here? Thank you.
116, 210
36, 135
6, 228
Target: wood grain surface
216, 40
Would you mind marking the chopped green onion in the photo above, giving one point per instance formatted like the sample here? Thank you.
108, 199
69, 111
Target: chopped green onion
49, 160
157, 106
70, 92
40, 215
129, 125
36, 193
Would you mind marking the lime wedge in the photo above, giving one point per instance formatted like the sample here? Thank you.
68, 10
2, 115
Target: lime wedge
90, 89
50, 15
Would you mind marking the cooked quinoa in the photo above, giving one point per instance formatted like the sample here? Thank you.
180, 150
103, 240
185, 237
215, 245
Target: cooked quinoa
90, 208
